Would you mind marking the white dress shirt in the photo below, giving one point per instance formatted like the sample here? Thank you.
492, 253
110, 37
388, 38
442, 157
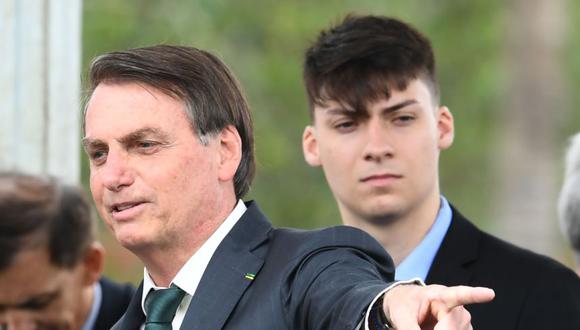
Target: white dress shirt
190, 274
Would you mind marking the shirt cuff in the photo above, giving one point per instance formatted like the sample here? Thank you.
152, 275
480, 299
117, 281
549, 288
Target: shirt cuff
378, 298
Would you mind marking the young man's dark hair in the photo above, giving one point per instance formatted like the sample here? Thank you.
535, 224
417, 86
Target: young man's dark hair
211, 93
365, 57
50, 263
377, 131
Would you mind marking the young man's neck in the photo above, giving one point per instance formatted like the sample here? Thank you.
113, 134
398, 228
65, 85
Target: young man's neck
399, 235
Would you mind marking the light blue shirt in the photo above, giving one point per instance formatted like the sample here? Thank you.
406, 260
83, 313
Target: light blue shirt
418, 262
97, 300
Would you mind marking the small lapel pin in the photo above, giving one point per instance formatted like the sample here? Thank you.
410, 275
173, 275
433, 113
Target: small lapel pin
250, 276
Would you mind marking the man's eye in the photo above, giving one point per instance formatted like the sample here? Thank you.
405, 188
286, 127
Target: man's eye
146, 146
405, 119
39, 303
345, 126
97, 156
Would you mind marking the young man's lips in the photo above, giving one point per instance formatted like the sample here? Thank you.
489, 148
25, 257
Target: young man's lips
380, 180
381, 177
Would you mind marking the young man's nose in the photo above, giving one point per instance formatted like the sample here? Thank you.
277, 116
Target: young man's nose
378, 141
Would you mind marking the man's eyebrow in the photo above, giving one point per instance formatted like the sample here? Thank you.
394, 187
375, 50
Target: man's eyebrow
142, 133
339, 111
133, 136
34, 302
88, 142
398, 106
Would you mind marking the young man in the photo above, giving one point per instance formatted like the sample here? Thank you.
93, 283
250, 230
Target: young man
169, 137
377, 131
50, 263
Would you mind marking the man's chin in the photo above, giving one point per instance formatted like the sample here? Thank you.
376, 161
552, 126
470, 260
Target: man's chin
383, 214
133, 243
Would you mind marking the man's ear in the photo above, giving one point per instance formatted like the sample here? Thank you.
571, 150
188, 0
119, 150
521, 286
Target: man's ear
230, 153
445, 128
93, 262
310, 146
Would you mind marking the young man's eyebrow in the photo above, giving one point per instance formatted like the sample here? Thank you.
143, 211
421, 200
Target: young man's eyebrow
399, 105
340, 111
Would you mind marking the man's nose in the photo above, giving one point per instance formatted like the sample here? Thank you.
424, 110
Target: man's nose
116, 173
378, 145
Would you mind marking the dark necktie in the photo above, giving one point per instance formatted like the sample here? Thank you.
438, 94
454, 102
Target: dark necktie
160, 306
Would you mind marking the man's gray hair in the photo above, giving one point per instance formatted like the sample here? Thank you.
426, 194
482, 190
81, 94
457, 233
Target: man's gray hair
569, 201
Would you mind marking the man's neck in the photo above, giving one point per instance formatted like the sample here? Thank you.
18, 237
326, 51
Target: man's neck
401, 234
88, 294
164, 262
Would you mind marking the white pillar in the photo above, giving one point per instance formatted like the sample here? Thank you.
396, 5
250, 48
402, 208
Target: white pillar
40, 50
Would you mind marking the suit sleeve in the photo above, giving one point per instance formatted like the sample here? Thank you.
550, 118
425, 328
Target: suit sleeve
332, 287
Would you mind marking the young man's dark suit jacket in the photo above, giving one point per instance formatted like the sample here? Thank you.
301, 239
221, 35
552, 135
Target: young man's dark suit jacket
115, 300
532, 291
321, 279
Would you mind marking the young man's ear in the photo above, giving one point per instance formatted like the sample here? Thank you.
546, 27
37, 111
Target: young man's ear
93, 263
445, 127
230, 152
310, 146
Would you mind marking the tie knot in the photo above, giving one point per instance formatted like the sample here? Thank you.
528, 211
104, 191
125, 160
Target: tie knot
160, 305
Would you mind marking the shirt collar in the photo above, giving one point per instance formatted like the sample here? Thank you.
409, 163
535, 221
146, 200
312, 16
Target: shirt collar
419, 261
190, 274
96, 305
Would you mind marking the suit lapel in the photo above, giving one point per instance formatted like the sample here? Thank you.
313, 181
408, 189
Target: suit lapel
133, 317
229, 273
459, 248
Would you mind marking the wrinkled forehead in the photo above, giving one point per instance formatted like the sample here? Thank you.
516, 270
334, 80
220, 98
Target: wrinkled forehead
140, 89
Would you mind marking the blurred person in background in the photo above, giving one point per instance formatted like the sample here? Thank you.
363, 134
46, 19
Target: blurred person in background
377, 132
50, 262
569, 201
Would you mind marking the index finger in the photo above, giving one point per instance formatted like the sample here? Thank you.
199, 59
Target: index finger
463, 295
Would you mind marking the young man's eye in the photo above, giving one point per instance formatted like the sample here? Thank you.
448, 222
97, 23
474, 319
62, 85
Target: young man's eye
345, 126
404, 119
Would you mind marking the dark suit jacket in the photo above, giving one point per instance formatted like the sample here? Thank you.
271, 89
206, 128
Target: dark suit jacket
532, 291
320, 279
116, 298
